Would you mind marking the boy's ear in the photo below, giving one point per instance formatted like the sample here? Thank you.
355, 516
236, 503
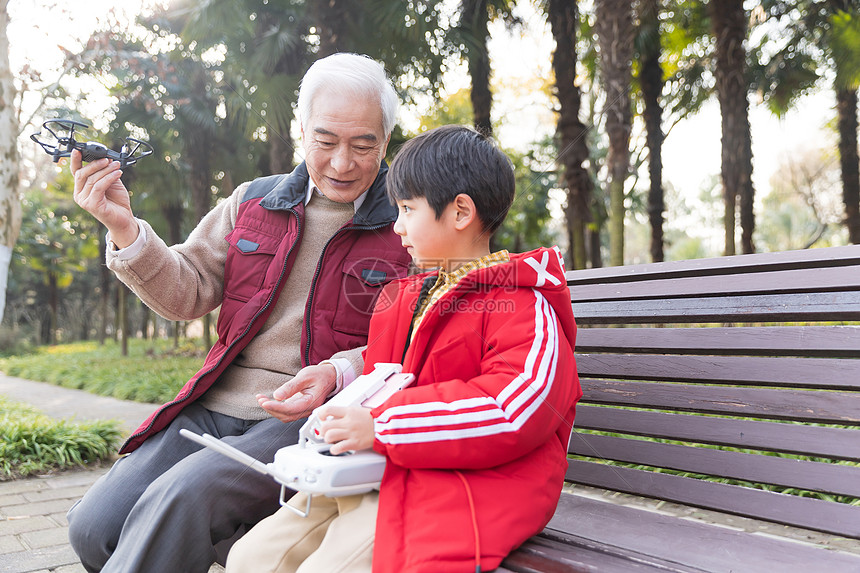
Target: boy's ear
465, 212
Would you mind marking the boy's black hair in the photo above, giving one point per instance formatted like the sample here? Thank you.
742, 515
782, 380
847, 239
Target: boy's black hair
442, 163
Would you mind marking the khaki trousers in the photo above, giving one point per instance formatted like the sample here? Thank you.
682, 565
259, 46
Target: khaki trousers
336, 537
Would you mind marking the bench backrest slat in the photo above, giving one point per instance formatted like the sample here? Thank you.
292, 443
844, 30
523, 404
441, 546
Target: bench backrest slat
708, 357
753, 308
837, 518
757, 371
788, 472
798, 439
720, 266
800, 280
779, 404
837, 341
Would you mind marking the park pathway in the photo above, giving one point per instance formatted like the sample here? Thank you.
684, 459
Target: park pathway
33, 526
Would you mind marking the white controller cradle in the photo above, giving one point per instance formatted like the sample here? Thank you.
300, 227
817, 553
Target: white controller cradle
308, 466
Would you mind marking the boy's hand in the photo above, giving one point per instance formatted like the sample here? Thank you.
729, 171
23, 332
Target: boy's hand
346, 428
298, 397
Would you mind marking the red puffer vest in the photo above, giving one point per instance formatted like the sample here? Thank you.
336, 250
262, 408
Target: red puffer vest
357, 261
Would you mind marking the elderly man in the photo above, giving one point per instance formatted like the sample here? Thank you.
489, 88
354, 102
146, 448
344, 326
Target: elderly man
294, 261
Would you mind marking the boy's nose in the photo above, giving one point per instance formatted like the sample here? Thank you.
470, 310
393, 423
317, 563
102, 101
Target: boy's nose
398, 227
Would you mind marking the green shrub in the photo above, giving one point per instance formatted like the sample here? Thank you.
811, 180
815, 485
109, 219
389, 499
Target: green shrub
13, 343
152, 372
31, 442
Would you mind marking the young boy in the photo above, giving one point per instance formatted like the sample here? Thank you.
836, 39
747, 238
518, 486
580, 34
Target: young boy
476, 447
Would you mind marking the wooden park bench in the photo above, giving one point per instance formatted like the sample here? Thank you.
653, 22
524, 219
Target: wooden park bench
718, 394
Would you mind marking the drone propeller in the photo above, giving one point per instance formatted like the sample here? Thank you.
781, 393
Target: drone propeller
131, 152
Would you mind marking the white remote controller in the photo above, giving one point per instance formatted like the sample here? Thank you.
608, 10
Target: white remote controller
308, 466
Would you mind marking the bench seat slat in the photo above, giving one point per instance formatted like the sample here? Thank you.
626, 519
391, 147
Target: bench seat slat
547, 553
841, 408
753, 308
815, 441
838, 341
761, 371
594, 523
720, 266
793, 281
829, 517
813, 476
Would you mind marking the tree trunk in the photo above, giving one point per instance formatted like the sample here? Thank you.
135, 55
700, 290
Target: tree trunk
201, 191
571, 132
10, 205
728, 24
173, 214
144, 322
615, 37
202, 199
330, 20
104, 283
281, 152
122, 317
651, 81
475, 21
290, 64
846, 109
53, 307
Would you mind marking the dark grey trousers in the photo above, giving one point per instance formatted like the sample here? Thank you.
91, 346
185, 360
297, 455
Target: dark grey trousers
166, 505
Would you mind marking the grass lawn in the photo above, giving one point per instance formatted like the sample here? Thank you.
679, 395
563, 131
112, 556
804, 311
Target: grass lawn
31, 442
153, 371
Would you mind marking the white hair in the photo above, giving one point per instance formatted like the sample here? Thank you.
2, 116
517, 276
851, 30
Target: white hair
353, 76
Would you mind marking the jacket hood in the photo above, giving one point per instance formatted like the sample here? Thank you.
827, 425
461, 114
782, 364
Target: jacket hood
291, 189
542, 270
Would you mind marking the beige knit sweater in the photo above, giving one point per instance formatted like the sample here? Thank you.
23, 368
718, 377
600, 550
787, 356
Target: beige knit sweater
185, 281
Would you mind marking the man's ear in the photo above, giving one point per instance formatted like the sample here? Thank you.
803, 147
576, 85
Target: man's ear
384, 148
465, 212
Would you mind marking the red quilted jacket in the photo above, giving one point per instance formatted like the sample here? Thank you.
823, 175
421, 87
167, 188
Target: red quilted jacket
477, 447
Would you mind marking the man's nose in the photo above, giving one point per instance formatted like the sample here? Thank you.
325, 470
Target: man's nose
342, 159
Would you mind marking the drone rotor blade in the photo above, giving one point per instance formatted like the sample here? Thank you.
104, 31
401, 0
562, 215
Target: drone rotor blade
136, 153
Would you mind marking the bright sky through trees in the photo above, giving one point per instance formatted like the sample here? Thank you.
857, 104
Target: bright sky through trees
41, 29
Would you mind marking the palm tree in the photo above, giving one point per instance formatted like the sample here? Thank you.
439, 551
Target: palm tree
572, 133
615, 37
10, 206
174, 97
266, 53
844, 44
729, 28
331, 19
474, 32
818, 39
408, 38
474, 24
651, 82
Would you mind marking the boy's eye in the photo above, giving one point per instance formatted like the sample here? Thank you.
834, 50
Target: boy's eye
405, 208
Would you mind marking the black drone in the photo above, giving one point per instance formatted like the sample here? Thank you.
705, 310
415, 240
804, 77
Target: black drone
131, 152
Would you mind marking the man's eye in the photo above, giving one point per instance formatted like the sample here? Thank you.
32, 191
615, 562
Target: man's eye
325, 143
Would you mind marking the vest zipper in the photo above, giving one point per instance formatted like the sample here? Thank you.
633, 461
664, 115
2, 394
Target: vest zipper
306, 358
